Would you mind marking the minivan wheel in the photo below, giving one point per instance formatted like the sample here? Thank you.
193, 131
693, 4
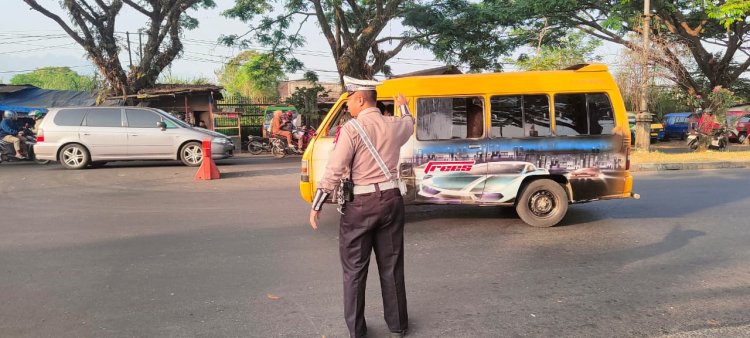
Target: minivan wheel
542, 204
74, 156
191, 154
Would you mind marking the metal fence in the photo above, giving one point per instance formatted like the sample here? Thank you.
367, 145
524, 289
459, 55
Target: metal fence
243, 116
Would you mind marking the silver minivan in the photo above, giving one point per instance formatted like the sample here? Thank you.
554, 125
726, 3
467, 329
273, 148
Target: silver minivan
91, 136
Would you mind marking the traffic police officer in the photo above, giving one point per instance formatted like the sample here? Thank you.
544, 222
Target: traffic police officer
375, 217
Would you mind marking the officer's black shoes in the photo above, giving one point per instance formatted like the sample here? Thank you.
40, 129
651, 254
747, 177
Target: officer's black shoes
397, 334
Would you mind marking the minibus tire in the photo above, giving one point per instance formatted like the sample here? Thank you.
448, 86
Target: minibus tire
542, 204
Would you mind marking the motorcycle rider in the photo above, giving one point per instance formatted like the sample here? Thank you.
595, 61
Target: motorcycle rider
278, 126
9, 132
38, 118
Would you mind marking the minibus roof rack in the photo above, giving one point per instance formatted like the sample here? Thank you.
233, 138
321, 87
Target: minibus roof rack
588, 67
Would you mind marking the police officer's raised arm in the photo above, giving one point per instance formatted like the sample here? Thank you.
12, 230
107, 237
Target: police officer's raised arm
338, 163
407, 120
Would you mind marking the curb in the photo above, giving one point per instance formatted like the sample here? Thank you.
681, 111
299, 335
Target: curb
690, 166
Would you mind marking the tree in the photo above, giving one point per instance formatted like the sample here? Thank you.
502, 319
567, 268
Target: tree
456, 30
689, 24
168, 78
60, 78
92, 25
252, 74
572, 49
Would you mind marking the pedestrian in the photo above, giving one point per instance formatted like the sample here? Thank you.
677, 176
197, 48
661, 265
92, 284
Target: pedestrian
373, 219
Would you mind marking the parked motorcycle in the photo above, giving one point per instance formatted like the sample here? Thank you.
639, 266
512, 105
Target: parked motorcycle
256, 145
718, 140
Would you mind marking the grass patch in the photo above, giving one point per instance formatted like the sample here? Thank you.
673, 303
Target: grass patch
639, 157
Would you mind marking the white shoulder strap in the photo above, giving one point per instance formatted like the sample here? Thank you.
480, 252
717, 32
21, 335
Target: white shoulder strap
372, 149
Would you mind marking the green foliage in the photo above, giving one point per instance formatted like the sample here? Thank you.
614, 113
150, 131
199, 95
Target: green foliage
466, 33
572, 49
358, 33
59, 78
718, 101
271, 32
684, 33
665, 100
169, 78
728, 12
252, 74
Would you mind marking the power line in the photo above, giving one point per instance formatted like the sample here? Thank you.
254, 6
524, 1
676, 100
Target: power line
31, 70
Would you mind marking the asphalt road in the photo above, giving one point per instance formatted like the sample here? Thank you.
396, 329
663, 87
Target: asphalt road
143, 250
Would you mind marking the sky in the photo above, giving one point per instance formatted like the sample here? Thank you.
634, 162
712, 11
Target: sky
29, 40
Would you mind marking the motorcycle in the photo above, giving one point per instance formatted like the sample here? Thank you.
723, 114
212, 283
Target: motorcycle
306, 133
8, 153
718, 140
278, 146
256, 145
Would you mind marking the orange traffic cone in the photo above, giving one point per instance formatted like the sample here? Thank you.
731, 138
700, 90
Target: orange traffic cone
208, 169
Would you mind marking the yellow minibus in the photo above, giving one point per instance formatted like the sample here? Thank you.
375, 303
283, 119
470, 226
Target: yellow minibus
537, 140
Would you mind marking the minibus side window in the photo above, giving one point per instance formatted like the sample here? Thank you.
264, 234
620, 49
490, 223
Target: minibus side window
536, 115
520, 116
448, 118
570, 115
506, 116
583, 114
601, 115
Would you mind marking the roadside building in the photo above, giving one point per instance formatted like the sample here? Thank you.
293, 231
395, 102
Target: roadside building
191, 103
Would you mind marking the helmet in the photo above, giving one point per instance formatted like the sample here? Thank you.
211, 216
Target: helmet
9, 114
36, 114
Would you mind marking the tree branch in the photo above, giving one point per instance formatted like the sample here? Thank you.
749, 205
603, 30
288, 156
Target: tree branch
356, 10
348, 38
138, 8
35, 6
325, 27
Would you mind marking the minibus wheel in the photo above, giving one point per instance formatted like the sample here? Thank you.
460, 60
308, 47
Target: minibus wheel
542, 204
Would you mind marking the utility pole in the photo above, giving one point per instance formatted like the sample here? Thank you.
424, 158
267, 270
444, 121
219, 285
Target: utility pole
130, 55
140, 47
643, 118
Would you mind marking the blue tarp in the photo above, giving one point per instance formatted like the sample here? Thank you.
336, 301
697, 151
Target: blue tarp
33, 98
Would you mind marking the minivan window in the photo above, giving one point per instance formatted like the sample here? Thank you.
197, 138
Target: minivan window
446, 118
104, 118
138, 118
69, 117
583, 114
519, 115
